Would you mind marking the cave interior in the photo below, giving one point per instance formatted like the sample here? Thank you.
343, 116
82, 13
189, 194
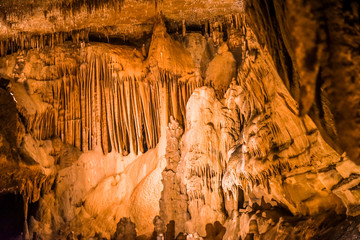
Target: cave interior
179, 119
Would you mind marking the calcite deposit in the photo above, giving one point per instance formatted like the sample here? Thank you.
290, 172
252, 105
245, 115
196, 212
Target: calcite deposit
179, 119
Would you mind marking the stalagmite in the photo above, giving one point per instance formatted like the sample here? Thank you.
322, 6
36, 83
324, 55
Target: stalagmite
26, 235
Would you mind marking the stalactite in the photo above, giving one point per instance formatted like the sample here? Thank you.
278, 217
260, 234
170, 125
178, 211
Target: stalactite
97, 102
109, 110
84, 109
122, 120
121, 127
90, 104
104, 129
137, 115
113, 116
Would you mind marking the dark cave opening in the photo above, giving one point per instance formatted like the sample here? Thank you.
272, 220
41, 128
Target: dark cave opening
11, 216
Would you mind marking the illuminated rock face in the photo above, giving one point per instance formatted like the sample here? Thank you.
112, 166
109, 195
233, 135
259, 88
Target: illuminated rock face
198, 132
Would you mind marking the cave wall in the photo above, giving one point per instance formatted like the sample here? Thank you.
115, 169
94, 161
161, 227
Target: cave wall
313, 45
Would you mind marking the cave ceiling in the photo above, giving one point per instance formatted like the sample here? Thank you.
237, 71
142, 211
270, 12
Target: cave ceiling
112, 18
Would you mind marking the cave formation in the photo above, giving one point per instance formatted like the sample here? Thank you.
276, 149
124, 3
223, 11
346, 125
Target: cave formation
179, 119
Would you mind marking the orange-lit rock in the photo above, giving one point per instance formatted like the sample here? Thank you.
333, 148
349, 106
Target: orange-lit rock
179, 119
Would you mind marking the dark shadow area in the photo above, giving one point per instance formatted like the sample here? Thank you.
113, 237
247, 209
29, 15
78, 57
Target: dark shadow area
237, 53
33, 208
4, 83
339, 227
121, 39
170, 230
11, 216
214, 231
181, 236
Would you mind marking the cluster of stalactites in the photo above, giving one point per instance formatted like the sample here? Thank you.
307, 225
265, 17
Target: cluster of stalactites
73, 6
216, 26
93, 106
233, 181
202, 181
177, 93
26, 41
18, 10
32, 189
